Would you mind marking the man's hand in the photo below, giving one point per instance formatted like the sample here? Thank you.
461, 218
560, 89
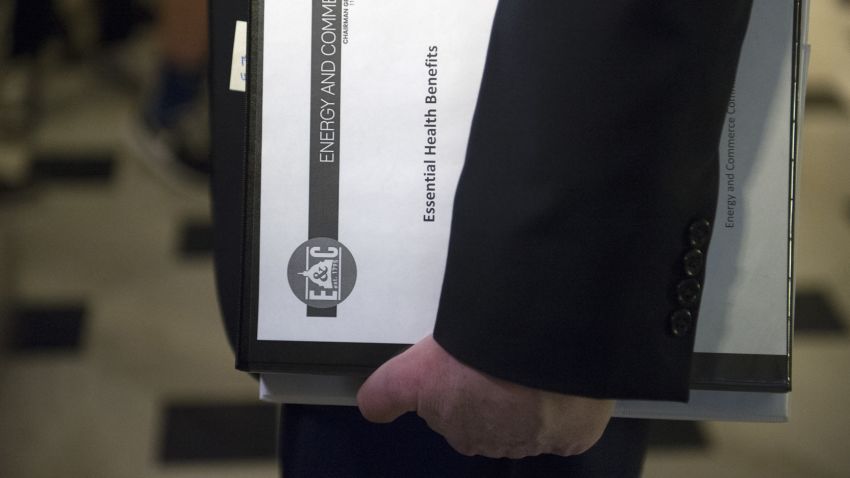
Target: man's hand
479, 414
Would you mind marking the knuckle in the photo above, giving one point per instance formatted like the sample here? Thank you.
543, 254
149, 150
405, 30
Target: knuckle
515, 454
464, 447
560, 451
579, 447
567, 449
584, 447
465, 450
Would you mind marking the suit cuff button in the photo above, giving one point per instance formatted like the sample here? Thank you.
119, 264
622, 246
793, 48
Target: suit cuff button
699, 233
681, 322
694, 261
688, 292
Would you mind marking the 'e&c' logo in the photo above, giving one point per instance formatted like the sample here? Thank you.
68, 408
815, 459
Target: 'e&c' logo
322, 272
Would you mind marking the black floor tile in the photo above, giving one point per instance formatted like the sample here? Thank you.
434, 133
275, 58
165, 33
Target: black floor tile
46, 328
7, 189
215, 432
95, 166
677, 434
815, 313
196, 239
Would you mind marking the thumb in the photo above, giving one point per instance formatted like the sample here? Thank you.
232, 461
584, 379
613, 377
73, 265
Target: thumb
393, 389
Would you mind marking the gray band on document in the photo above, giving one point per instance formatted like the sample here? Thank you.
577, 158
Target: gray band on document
741, 372
326, 48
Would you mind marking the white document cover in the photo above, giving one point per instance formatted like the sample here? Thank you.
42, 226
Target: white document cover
395, 108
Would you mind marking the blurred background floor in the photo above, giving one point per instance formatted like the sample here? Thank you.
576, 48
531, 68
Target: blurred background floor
120, 367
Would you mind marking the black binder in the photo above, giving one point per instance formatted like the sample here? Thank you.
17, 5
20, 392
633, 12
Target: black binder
236, 127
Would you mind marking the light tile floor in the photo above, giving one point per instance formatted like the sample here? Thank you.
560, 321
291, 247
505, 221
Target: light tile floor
153, 332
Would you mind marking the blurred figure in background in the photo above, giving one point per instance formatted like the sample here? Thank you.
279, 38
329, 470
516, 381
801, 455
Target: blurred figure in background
36, 35
166, 67
25, 27
171, 134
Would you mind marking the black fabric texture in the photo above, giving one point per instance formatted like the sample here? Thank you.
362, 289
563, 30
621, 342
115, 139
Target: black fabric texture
338, 442
593, 148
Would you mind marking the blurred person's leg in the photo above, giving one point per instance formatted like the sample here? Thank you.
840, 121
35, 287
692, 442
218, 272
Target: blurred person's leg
6, 12
80, 19
118, 19
125, 50
171, 134
183, 41
32, 23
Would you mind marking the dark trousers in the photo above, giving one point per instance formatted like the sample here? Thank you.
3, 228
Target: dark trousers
336, 442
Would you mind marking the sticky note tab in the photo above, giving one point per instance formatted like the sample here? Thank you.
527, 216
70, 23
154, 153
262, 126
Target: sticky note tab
239, 66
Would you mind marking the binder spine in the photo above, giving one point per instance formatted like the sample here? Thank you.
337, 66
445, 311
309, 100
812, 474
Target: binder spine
251, 227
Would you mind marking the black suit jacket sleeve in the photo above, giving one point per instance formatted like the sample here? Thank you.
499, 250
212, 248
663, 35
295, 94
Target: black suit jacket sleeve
591, 173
